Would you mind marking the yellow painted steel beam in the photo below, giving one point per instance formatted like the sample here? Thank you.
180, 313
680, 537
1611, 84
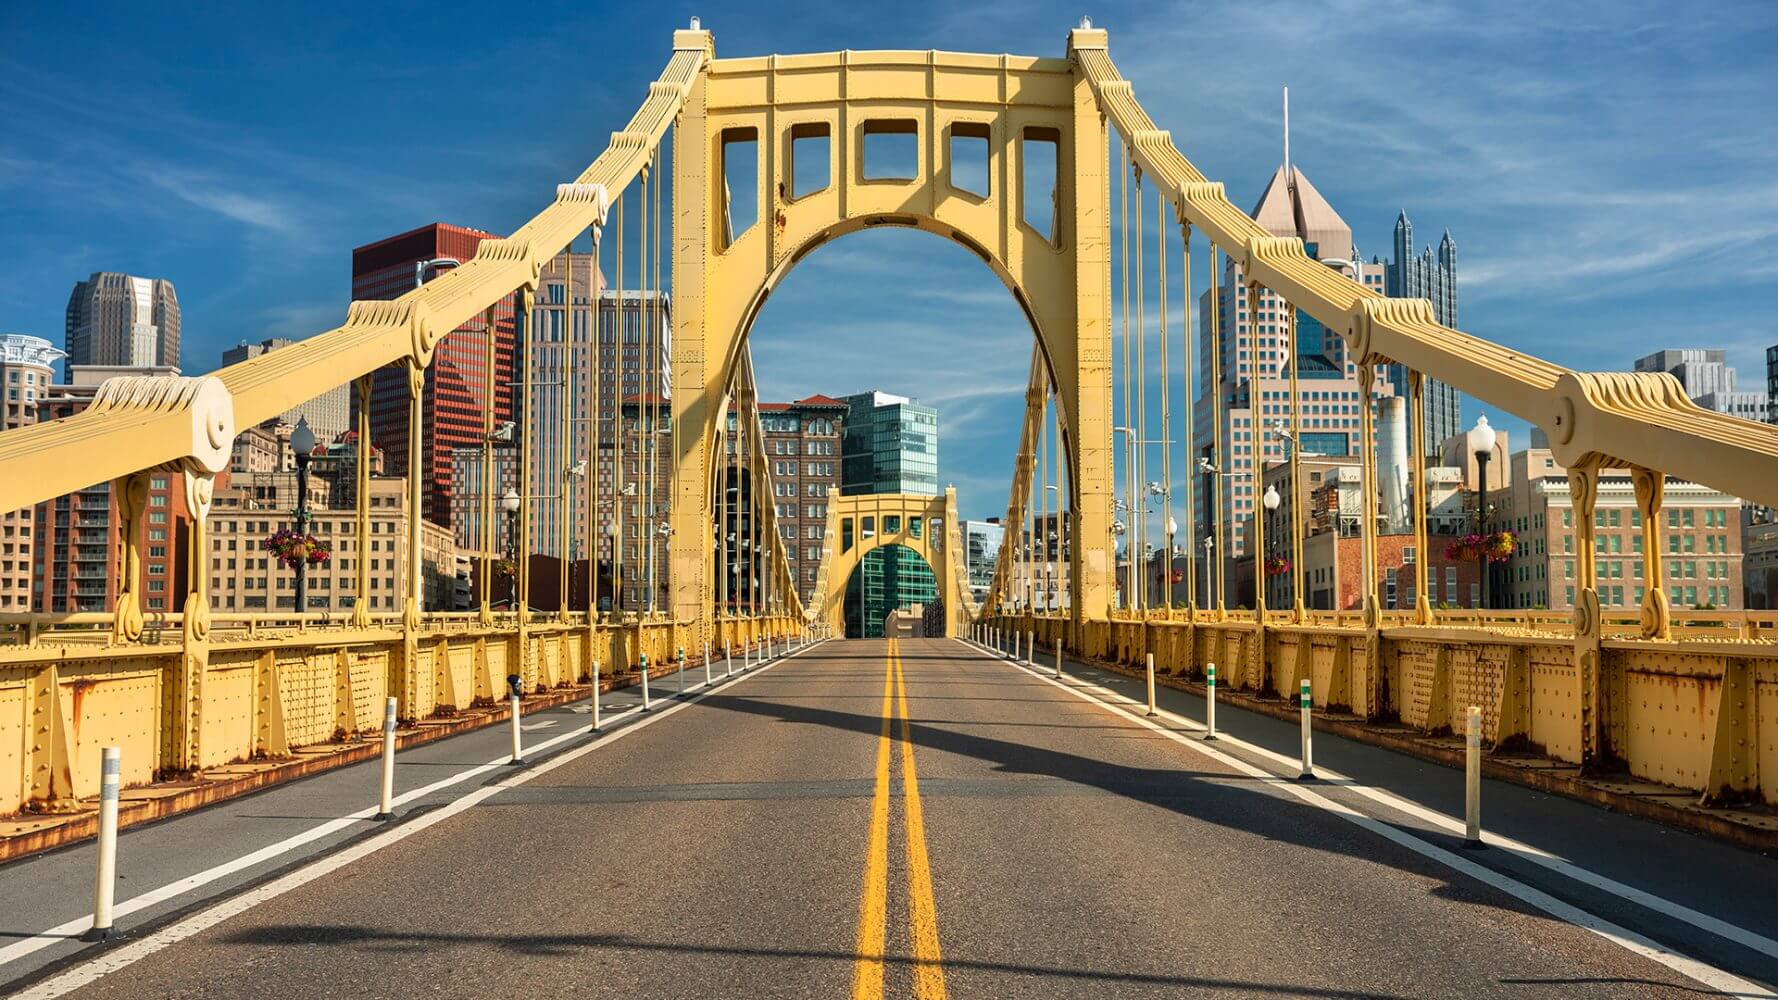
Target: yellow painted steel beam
1611, 418
149, 423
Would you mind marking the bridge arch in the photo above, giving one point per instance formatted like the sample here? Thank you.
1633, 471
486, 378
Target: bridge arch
770, 108
860, 525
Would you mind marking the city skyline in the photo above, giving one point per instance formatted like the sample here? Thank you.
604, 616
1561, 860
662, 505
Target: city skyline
254, 191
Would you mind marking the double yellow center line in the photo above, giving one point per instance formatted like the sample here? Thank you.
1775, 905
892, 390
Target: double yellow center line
873, 908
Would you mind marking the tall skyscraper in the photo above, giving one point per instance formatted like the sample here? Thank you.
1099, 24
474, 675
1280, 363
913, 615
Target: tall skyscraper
1254, 357
451, 400
120, 319
329, 414
1433, 278
25, 369
1708, 379
1772, 383
889, 445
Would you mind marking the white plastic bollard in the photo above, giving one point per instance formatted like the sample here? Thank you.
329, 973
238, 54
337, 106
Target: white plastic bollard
105, 886
1030, 648
681, 670
386, 802
1307, 705
1472, 781
746, 656
595, 696
645, 702
1209, 701
706, 663
1151, 685
518, 756
728, 661
1058, 661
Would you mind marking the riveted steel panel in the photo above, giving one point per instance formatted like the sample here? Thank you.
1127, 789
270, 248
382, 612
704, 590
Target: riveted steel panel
14, 707
1555, 702
227, 733
112, 703
307, 682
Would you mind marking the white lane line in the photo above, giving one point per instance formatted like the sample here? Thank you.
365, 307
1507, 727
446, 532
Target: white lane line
1451, 824
531, 727
1717, 979
72, 928
133, 952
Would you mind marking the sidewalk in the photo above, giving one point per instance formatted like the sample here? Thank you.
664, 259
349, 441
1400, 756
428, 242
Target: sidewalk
177, 864
1722, 881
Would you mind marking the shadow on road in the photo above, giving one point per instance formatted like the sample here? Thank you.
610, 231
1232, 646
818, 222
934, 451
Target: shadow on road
539, 945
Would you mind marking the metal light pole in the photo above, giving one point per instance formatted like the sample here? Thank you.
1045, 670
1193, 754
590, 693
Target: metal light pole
1271, 501
510, 504
302, 442
1209, 554
1481, 442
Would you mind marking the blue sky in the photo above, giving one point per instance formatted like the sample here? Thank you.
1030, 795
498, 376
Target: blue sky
1609, 170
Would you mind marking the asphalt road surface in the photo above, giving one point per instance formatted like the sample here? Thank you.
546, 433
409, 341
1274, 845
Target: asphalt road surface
917, 818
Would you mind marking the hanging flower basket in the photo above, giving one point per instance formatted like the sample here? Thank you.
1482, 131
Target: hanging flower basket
296, 548
1178, 576
1277, 565
506, 568
1497, 547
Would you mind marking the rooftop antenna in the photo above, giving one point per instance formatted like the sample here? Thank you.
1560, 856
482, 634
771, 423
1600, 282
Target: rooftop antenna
1287, 135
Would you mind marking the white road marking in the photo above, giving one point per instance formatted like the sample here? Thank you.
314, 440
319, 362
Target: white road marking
1717, 979
72, 928
534, 726
1452, 824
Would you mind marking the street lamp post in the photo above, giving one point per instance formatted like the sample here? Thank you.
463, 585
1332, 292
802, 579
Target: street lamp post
1481, 442
302, 443
1209, 554
510, 504
1271, 501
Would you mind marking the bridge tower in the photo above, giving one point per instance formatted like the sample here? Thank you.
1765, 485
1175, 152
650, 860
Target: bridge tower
776, 108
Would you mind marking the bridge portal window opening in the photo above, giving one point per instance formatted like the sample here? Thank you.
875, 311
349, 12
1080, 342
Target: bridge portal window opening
968, 166
811, 158
891, 524
914, 526
868, 528
740, 181
1040, 163
845, 534
891, 150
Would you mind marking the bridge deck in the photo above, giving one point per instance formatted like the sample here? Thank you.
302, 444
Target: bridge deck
723, 849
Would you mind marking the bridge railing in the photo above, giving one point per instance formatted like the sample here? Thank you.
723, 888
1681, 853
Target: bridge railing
1682, 711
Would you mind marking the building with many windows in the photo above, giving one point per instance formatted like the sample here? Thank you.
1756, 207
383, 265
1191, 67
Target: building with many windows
981, 547
890, 446
1772, 384
244, 577
26, 370
76, 535
1433, 278
1700, 536
455, 384
1708, 379
1253, 356
122, 320
802, 443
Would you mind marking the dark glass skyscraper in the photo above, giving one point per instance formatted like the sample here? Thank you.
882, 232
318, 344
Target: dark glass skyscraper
1433, 278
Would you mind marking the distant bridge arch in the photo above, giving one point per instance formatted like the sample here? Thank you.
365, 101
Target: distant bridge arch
860, 525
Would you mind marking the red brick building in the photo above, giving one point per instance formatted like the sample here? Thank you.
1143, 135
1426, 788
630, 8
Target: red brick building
456, 381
